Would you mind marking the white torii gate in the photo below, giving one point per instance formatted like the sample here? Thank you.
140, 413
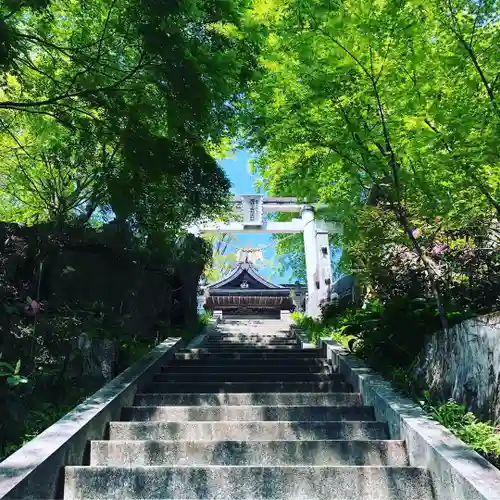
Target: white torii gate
316, 244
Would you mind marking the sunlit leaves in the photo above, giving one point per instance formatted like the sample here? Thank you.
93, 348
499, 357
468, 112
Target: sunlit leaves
152, 84
366, 101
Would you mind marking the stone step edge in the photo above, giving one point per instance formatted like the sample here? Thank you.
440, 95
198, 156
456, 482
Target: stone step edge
260, 349
245, 344
342, 407
249, 354
266, 363
233, 354
240, 394
249, 443
391, 449
257, 467
198, 386
265, 336
232, 423
336, 379
256, 338
355, 400
284, 374
274, 395
251, 347
242, 368
228, 385
245, 369
327, 377
251, 341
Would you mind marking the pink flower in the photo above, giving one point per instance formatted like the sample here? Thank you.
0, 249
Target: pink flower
33, 308
438, 249
438, 219
416, 233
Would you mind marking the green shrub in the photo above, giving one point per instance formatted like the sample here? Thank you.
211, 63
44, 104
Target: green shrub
483, 437
314, 330
450, 414
205, 317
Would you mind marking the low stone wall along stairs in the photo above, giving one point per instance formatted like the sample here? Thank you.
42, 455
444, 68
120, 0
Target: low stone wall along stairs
248, 415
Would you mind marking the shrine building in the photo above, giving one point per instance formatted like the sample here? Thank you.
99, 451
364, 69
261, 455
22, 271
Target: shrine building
243, 293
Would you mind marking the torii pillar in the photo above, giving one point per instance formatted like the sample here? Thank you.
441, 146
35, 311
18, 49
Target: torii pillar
311, 255
324, 263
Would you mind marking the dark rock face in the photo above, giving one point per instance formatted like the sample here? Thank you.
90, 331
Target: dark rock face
86, 267
104, 301
94, 274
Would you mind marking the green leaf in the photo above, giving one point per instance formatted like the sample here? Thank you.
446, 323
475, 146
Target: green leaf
4, 364
13, 381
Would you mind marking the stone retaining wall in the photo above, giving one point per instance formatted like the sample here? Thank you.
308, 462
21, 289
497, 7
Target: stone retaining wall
464, 364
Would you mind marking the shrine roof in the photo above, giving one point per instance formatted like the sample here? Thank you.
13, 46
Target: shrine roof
244, 276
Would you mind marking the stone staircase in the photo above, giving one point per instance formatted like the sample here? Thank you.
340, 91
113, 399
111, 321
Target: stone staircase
248, 415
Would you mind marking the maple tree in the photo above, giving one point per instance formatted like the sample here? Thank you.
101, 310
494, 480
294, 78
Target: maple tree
386, 104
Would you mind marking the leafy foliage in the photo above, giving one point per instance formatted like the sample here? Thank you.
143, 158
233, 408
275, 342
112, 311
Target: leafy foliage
387, 112
116, 106
483, 437
222, 260
205, 318
12, 373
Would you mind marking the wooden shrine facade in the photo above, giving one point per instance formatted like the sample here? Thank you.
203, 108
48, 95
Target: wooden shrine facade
244, 293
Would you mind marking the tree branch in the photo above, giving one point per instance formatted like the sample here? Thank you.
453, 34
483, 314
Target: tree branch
113, 87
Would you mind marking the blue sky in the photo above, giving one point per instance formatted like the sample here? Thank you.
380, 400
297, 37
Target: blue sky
237, 169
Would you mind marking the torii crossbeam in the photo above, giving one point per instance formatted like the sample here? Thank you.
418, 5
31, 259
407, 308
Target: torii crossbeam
316, 241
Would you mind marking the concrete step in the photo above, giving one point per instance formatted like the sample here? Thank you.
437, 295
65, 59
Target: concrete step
264, 453
264, 338
271, 325
254, 332
263, 398
261, 334
251, 347
260, 348
247, 483
265, 363
248, 431
252, 338
248, 377
246, 413
233, 344
243, 367
290, 351
249, 354
276, 386
258, 343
